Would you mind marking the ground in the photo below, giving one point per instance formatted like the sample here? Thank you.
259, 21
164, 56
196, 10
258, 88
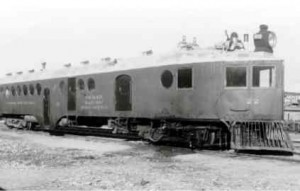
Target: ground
36, 160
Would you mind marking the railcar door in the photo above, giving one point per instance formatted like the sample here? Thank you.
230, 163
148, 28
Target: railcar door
123, 93
71, 94
267, 90
46, 103
233, 103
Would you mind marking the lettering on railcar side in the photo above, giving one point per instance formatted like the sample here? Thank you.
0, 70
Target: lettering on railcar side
254, 101
20, 103
94, 102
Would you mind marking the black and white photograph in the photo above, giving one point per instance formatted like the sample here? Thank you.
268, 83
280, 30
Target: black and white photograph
149, 95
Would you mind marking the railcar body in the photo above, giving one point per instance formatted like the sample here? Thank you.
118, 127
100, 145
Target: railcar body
190, 93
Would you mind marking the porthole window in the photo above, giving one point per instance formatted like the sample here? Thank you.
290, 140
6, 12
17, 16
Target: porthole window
19, 90
81, 84
13, 91
31, 89
38, 88
91, 84
185, 78
167, 79
25, 90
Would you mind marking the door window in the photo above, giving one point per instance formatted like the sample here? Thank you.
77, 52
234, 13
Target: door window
263, 76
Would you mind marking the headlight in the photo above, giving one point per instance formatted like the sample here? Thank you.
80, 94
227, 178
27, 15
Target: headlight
272, 39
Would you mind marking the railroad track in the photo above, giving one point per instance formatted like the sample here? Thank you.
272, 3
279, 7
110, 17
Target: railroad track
93, 131
295, 158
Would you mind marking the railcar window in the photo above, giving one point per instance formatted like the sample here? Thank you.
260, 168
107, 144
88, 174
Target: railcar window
62, 85
91, 84
7, 92
38, 88
167, 79
25, 90
31, 89
185, 78
263, 76
236, 77
13, 91
19, 90
81, 84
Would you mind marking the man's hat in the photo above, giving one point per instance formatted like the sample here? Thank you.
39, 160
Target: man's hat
263, 27
234, 34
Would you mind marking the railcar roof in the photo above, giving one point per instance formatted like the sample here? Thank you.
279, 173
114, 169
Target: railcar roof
177, 57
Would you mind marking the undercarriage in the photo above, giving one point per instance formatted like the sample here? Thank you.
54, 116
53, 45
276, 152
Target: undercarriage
242, 136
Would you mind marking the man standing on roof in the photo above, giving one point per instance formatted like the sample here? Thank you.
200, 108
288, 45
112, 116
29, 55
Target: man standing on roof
233, 43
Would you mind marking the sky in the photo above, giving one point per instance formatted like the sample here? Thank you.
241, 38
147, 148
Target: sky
70, 31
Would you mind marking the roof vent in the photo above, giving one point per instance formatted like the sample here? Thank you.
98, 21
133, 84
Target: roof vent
148, 52
85, 62
114, 62
68, 65
183, 44
9, 74
20, 73
194, 43
109, 61
106, 59
31, 71
43, 66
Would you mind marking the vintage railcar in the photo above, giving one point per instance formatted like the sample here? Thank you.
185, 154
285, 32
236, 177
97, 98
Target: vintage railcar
207, 98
